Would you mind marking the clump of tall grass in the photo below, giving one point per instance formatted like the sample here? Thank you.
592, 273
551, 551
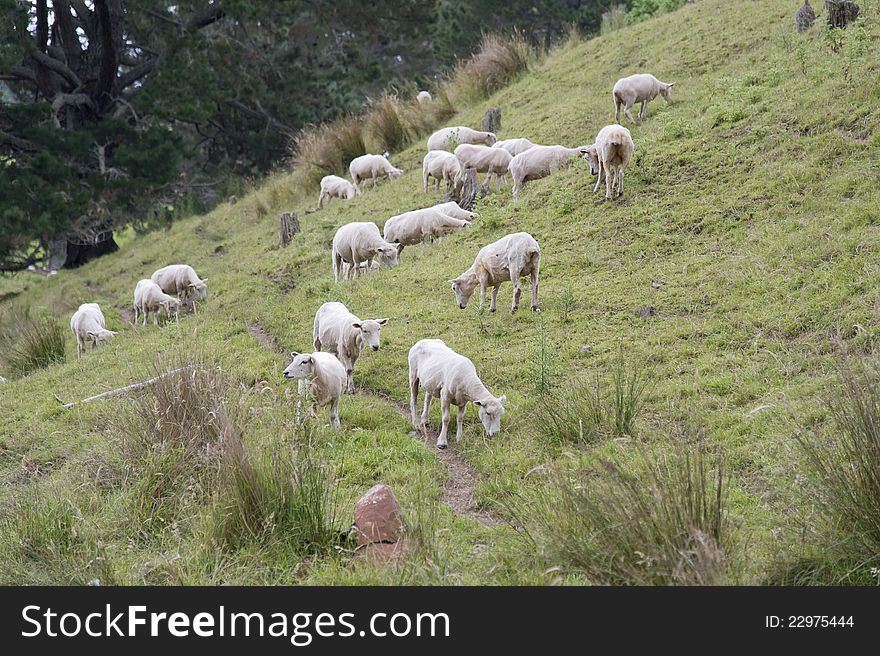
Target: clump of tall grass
498, 62
846, 464
660, 519
613, 19
384, 124
328, 148
29, 343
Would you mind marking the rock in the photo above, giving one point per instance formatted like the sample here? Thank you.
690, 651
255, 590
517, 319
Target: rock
586, 348
232, 200
377, 516
381, 553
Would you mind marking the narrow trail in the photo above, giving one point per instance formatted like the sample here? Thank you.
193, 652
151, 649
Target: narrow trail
459, 490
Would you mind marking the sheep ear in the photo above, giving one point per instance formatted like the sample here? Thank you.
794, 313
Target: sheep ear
381, 322
502, 398
479, 403
357, 325
92, 334
671, 84
293, 354
399, 247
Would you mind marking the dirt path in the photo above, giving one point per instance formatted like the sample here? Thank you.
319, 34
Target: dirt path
459, 488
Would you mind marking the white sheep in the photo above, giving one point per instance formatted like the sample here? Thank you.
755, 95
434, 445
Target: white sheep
452, 209
181, 279
359, 242
509, 258
539, 162
449, 138
515, 146
149, 297
372, 167
443, 166
452, 378
88, 325
418, 225
332, 186
345, 335
638, 88
491, 161
424, 98
325, 377
609, 157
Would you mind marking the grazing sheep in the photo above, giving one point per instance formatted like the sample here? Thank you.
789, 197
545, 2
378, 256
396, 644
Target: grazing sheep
181, 279
413, 227
344, 335
442, 166
368, 167
449, 138
88, 325
491, 161
610, 156
514, 146
149, 297
539, 162
453, 378
359, 242
332, 186
325, 377
509, 258
424, 98
452, 209
638, 88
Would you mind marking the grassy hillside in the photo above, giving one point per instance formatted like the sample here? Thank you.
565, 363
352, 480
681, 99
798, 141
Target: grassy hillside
754, 196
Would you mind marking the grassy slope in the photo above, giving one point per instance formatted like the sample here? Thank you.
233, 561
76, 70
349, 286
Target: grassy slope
754, 196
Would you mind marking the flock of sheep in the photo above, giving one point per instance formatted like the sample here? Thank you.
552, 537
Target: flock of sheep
442, 372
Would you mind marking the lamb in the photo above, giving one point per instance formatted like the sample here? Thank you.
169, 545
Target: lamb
443, 167
181, 279
453, 378
610, 155
88, 325
446, 138
424, 98
452, 209
344, 335
332, 186
325, 377
413, 227
149, 297
514, 146
372, 167
491, 161
359, 242
638, 88
539, 162
509, 258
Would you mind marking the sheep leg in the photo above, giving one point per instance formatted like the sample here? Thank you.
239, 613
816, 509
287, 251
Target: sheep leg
413, 397
375, 182
598, 179
444, 429
135, 314
321, 200
626, 110
79, 346
459, 420
535, 288
334, 414
643, 112
619, 181
609, 179
617, 106
494, 296
426, 409
517, 291
146, 314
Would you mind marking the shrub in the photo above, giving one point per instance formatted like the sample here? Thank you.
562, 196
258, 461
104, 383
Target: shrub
30, 343
613, 19
663, 522
644, 9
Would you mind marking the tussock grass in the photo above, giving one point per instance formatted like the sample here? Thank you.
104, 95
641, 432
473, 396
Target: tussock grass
29, 343
658, 519
497, 63
613, 19
385, 126
327, 149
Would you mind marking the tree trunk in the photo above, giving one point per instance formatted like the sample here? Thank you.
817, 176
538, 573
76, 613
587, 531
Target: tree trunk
467, 196
78, 254
492, 120
289, 227
841, 13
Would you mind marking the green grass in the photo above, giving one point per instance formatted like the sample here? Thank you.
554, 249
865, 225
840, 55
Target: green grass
754, 195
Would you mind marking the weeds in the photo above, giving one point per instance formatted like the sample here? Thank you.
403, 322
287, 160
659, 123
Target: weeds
29, 343
628, 400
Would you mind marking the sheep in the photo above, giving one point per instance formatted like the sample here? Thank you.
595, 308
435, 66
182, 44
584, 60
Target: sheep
491, 161
372, 167
424, 98
539, 162
344, 335
514, 146
446, 138
413, 227
610, 156
88, 325
638, 88
452, 209
442, 166
453, 378
325, 377
181, 279
332, 186
149, 297
509, 258
360, 242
